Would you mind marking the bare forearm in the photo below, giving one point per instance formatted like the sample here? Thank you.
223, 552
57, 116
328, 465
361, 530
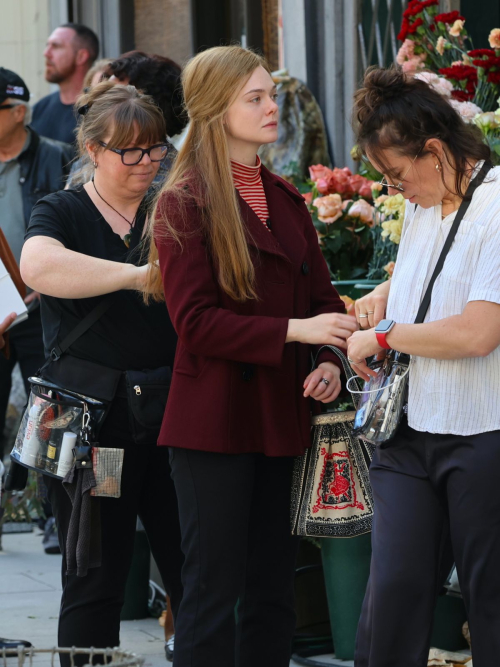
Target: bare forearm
57, 271
443, 339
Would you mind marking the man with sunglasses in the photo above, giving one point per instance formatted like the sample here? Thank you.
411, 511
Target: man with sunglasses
30, 168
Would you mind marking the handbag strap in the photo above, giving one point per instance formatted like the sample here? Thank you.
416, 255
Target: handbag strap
473, 185
88, 321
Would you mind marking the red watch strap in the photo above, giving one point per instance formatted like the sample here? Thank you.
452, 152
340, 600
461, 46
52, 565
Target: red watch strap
382, 341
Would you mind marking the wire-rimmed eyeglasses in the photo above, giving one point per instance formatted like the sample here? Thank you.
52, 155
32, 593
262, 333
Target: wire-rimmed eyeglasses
132, 156
399, 186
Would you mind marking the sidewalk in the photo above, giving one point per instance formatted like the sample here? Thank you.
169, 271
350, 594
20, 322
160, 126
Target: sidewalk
30, 592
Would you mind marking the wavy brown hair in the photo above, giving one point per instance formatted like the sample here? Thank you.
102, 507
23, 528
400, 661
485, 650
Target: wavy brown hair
395, 110
211, 81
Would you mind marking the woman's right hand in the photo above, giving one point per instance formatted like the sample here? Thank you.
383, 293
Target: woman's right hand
327, 329
373, 305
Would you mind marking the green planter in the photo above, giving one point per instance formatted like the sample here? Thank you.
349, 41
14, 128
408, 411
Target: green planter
346, 566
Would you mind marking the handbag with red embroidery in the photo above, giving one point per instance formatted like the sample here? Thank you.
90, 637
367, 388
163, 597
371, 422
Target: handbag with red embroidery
331, 492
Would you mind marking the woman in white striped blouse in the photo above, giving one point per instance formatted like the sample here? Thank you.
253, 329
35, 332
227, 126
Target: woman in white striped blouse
436, 482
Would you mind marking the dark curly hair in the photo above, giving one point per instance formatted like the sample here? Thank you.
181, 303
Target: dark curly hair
158, 77
395, 110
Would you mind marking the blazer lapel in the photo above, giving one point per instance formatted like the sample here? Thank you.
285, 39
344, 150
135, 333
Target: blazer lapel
285, 212
258, 236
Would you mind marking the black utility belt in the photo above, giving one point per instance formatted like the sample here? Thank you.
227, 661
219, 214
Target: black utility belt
146, 391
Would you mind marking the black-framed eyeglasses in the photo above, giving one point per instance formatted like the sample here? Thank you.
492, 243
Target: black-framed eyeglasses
132, 156
399, 186
8, 106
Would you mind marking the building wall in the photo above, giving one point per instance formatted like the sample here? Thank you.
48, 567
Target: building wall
24, 28
164, 27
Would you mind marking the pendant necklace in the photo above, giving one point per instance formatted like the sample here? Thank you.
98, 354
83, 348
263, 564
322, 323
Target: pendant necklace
128, 237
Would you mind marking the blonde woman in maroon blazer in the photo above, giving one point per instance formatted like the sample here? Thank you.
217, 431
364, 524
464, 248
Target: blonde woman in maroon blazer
249, 295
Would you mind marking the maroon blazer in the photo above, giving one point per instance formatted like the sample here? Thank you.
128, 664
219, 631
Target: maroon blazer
237, 386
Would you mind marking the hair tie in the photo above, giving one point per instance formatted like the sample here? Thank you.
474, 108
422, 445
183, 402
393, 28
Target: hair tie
83, 109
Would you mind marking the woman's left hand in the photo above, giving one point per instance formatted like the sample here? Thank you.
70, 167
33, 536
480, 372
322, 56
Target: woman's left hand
360, 345
316, 387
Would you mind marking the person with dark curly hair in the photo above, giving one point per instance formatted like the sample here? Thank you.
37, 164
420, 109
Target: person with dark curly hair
157, 76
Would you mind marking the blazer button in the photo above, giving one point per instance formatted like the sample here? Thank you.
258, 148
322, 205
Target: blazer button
305, 268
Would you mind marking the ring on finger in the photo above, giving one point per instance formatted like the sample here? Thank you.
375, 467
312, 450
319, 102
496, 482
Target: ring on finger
370, 312
353, 361
327, 382
363, 315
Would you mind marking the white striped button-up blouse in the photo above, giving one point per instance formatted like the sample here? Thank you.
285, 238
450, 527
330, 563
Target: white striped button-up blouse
459, 396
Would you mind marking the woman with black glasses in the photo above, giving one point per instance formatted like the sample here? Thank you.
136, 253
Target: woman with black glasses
81, 245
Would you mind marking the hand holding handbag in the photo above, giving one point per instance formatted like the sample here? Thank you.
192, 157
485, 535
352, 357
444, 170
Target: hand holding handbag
331, 492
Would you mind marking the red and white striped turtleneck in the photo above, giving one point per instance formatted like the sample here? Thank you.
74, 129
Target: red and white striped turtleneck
248, 181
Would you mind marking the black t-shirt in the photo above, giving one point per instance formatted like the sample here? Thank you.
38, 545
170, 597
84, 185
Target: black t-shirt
53, 119
130, 335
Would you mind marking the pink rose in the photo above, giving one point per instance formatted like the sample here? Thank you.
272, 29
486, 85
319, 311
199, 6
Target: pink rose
308, 196
329, 208
317, 171
366, 190
494, 38
340, 180
361, 209
323, 185
356, 182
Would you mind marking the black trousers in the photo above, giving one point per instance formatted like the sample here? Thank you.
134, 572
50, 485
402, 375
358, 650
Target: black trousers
91, 605
26, 347
428, 488
235, 523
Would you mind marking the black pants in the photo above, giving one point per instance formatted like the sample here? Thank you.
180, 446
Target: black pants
91, 605
427, 487
235, 522
26, 347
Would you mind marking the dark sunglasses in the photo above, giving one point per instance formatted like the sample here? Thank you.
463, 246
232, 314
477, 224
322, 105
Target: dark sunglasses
8, 106
132, 156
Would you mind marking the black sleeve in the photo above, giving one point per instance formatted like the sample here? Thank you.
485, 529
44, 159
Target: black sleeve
51, 217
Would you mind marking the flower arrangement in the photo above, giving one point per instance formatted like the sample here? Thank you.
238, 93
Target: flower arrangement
341, 205
439, 43
386, 235
358, 229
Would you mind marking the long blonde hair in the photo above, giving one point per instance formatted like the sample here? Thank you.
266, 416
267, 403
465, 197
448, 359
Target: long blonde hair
211, 80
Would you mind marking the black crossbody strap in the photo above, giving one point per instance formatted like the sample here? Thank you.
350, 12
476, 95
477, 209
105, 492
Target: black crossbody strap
89, 320
475, 183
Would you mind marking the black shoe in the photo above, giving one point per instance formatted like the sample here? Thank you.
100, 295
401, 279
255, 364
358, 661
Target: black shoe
169, 649
50, 539
13, 643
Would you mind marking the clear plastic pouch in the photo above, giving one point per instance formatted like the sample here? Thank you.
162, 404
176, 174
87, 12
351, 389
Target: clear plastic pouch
381, 402
54, 423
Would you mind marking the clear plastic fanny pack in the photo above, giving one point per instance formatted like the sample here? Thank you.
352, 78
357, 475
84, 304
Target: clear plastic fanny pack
53, 425
382, 401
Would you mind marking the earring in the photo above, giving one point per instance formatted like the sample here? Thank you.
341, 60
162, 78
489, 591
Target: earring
95, 164
438, 168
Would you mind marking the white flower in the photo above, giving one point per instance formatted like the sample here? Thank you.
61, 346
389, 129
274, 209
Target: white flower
438, 83
467, 110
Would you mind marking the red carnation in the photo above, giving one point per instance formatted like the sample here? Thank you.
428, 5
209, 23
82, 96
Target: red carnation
479, 53
462, 95
413, 28
404, 30
449, 17
494, 77
459, 72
